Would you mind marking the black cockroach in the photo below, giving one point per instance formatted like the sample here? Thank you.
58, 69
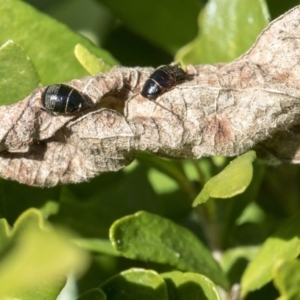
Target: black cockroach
60, 98
163, 79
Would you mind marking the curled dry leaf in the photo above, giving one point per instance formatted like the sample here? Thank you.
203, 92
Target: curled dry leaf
223, 109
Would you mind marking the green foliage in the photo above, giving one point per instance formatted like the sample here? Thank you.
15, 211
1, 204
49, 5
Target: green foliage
234, 180
151, 238
34, 259
286, 241
16, 67
234, 32
168, 24
185, 286
90, 61
49, 44
135, 284
168, 250
287, 279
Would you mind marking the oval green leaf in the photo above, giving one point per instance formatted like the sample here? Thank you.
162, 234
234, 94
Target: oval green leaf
148, 237
136, 284
233, 180
90, 61
227, 28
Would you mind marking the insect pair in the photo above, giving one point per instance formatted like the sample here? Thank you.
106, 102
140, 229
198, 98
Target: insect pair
60, 98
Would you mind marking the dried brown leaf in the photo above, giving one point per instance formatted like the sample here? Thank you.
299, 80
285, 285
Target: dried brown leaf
223, 109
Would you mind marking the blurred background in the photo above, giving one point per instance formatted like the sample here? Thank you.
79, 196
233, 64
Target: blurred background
153, 33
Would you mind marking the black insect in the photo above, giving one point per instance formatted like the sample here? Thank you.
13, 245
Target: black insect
60, 98
162, 79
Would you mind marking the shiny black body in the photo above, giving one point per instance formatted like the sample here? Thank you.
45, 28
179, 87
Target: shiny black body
163, 79
60, 98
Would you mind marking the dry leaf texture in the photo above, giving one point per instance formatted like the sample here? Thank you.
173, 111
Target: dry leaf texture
222, 109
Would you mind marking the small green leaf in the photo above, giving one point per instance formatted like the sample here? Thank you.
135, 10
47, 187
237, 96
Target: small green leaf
233, 180
36, 259
94, 294
227, 28
90, 61
149, 237
287, 279
187, 286
18, 76
136, 284
283, 244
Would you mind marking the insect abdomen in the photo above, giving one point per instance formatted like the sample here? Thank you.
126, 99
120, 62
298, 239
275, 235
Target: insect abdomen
162, 79
60, 98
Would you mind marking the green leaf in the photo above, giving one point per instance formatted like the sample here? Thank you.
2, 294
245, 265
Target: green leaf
283, 244
168, 24
36, 259
47, 42
136, 284
187, 286
287, 279
235, 260
18, 76
94, 294
147, 237
227, 28
90, 61
233, 180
